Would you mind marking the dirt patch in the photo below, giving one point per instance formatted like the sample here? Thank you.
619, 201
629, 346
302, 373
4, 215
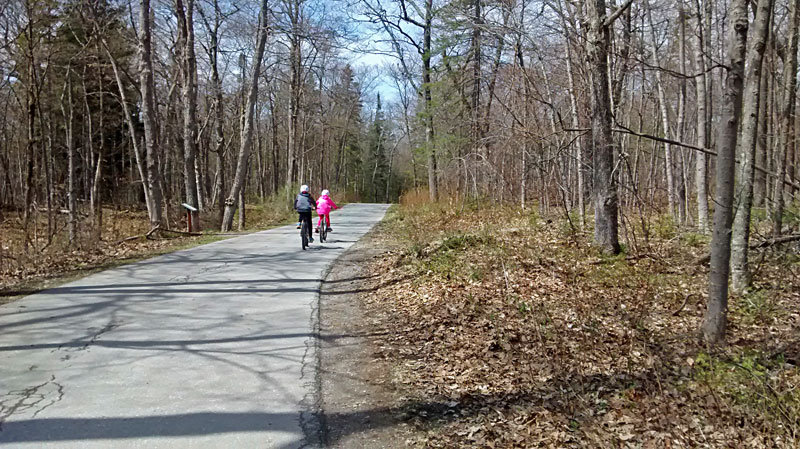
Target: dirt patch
360, 406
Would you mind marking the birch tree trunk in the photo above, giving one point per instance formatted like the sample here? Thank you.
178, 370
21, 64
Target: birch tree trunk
740, 270
703, 141
669, 167
525, 123
680, 128
715, 321
68, 112
247, 129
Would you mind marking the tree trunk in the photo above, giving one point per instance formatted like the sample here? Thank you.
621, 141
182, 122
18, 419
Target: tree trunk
247, 129
30, 144
242, 203
189, 93
477, 22
295, 87
740, 270
703, 141
669, 167
96, 203
219, 112
715, 320
68, 111
785, 147
760, 182
426, 87
147, 83
680, 128
137, 151
580, 170
604, 182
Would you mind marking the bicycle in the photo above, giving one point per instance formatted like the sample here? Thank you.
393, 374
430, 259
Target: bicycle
323, 231
304, 234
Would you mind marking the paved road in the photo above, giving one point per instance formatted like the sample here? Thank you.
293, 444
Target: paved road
210, 347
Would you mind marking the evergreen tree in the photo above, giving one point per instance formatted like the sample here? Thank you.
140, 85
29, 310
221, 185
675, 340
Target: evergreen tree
376, 167
349, 127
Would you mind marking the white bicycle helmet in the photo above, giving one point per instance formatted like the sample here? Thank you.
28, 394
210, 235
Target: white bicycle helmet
303, 188
325, 192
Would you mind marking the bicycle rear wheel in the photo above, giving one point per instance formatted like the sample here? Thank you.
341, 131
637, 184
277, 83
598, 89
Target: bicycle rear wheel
323, 232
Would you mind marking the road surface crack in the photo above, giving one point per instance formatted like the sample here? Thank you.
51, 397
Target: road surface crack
32, 400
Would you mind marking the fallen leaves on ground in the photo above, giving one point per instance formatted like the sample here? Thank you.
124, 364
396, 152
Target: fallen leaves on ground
52, 258
506, 332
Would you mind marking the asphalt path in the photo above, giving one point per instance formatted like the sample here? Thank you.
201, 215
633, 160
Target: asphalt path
210, 347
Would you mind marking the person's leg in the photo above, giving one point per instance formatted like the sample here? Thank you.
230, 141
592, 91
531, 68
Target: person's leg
328, 220
308, 222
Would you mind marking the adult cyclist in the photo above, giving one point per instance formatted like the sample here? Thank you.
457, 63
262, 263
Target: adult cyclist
304, 204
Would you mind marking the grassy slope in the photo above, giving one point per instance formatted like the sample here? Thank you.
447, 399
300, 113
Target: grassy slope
507, 330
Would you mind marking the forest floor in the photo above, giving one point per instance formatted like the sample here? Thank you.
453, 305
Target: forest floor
51, 261
500, 328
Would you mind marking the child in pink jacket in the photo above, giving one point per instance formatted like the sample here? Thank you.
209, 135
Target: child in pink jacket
324, 205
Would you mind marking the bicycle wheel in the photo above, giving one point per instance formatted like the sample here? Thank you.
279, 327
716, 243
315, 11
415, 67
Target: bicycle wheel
304, 234
323, 232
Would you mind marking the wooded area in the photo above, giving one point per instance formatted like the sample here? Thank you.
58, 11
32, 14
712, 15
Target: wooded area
569, 107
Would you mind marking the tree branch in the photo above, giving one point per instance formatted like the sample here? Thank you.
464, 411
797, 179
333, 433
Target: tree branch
615, 15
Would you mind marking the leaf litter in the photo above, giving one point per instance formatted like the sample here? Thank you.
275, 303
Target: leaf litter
504, 332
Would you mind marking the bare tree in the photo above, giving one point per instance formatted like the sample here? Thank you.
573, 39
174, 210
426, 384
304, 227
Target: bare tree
68, 112
147, 87
669, 165
740, 269
247, 128
786, 115
185, 17
213, 50
715, 321
605, 180
703, 114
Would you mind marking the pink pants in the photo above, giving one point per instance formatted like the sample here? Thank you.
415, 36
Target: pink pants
327, 219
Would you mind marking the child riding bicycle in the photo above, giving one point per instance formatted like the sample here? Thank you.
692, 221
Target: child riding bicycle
324, 209
304, 204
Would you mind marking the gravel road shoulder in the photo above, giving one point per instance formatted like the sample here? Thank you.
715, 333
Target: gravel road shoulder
360, 407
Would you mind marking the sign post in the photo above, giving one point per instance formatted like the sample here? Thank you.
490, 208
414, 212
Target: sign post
189, 210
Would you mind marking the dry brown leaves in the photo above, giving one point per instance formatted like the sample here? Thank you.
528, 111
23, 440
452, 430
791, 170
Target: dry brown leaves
520, 337
23, 272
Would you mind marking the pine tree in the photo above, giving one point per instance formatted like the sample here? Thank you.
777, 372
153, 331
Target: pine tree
376, 167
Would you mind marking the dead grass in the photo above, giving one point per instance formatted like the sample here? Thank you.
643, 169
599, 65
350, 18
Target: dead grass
506, 332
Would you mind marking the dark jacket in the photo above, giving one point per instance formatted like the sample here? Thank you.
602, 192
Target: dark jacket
304, 203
